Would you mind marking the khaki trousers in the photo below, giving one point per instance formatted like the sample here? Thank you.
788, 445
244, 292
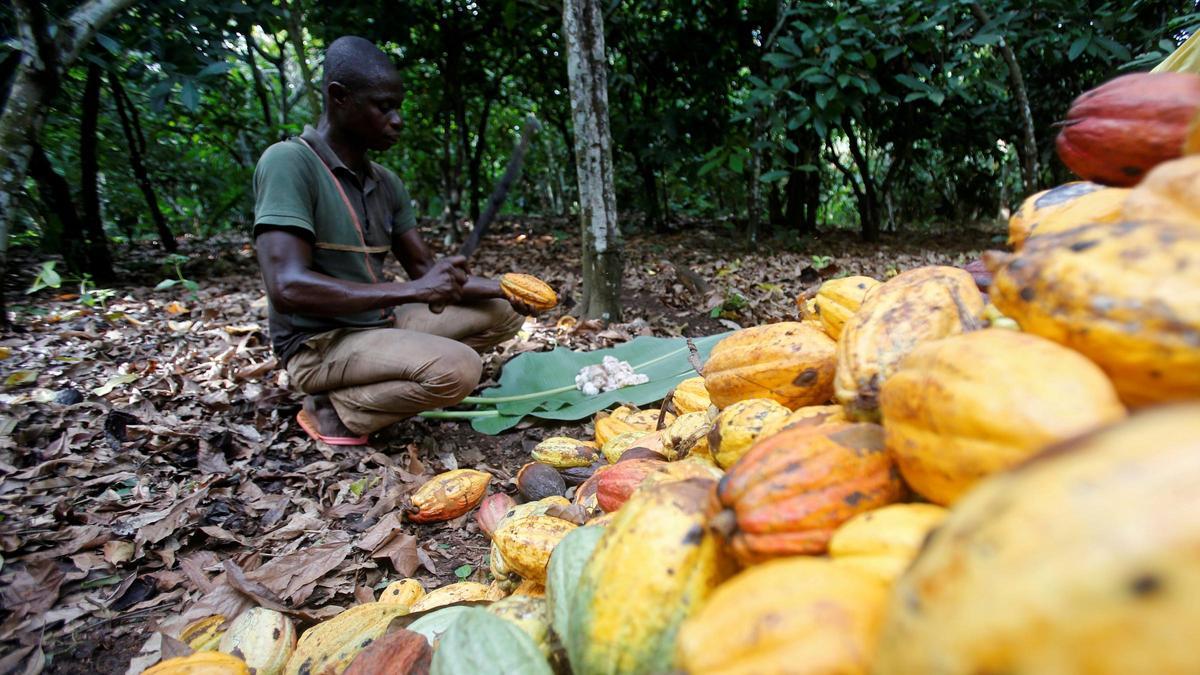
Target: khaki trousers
378, 376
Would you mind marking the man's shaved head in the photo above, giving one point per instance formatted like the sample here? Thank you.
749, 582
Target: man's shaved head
355, 63
362, 94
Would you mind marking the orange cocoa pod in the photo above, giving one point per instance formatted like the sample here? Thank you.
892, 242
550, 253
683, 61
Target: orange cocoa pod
789, 493
448, 495
528, 289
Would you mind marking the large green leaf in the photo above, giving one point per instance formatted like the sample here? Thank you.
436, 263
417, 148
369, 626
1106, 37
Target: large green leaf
478, 642
663, 360
563, 572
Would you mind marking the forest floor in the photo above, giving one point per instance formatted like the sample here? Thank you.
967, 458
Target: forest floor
151, 470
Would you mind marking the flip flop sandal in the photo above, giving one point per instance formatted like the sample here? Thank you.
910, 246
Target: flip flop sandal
309, 425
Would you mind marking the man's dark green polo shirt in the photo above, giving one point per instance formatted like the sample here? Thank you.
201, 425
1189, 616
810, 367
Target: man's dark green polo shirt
293, 192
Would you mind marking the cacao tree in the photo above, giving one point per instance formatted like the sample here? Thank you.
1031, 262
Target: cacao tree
47, 48
583, 26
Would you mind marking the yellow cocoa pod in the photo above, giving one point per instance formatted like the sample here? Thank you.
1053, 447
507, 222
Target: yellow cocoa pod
200, 663
739, 425
883, 542
448, 495
1123, 295
528, 289
562, 452
1064, 207
622, 412
647, 420
1086, 558
404, 592
609, 427
527, 587
617, 445
264, 637
463, 591
683, 434
526, 543
538, 508
331, 645
914, 307
810, 415
787, 362
691, 396
496, 562
530, 613
838, 300
654, 565
1167, 192
798, 615
203, 635
959, 409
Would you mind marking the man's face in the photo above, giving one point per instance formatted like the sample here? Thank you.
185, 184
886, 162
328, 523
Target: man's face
372, 112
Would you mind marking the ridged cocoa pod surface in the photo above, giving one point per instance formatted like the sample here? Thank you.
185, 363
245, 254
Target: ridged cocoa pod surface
528, 289
790, 363
203, 635
1083, 559
917, 306
791, 491
838, 299
739, 426
1124, 295
562, 452
960, 409
448, 495
200, 663
685, 433
690, 396
331, 645
526, 543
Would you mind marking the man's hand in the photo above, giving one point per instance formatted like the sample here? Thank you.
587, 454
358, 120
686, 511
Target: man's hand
443, 283
522, 308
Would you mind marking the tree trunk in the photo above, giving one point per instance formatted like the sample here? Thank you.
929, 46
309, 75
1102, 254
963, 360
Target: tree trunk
36, 81
583, 26
55, 195
868, 203
1029, 157
137, 147
99, 262
260, 89
754, 185
296, 34
804, 185
474, 169
652, 213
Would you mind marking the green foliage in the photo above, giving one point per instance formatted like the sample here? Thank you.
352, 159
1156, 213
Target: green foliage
175, 260
896, 115
46, 277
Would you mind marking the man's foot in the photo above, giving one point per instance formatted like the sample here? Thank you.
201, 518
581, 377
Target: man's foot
320, 420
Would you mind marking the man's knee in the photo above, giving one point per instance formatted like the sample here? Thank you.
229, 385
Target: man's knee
505, 321
453, 376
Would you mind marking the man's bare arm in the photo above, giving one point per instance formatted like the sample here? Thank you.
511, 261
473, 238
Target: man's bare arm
294, 288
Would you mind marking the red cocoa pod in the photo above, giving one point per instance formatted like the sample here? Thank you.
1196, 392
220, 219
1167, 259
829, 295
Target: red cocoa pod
399, 652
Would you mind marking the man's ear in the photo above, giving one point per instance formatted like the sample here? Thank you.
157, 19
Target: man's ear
338, 93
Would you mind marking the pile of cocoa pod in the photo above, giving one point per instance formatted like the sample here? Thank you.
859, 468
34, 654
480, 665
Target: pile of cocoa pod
912, 478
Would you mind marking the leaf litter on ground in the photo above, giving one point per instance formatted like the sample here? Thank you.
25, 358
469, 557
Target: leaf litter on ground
151, 471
